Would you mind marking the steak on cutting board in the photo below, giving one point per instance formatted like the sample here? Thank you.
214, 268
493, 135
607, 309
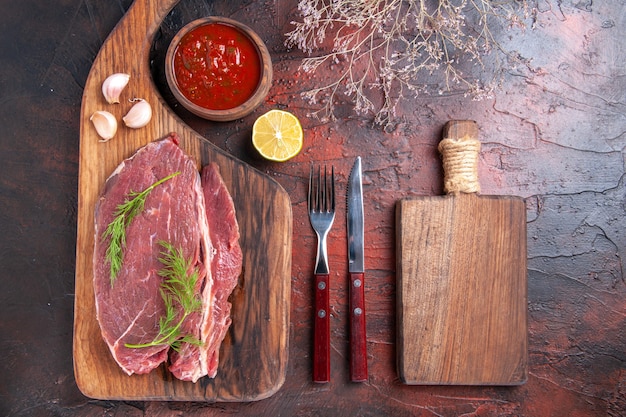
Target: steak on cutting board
225, 268
128, 310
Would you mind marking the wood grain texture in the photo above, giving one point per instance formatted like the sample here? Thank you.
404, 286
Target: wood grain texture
253, 358
461, 293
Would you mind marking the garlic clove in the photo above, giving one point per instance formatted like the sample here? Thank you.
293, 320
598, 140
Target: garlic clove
105, 124
112, 87
139, 115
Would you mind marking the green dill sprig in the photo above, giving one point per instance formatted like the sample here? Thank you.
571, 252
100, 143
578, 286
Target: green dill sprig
178, 291
124, 215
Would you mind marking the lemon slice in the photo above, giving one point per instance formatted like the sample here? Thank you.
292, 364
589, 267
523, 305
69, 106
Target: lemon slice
277, 135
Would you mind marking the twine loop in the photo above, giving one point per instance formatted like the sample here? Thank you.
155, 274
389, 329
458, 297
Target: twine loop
460, 165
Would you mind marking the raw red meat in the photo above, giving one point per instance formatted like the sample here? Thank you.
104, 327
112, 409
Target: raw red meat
225, 269
175, 211
128, 311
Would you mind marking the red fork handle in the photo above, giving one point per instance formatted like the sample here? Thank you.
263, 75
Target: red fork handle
358, 335
321, 338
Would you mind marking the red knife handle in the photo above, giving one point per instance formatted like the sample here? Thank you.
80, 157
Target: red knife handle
321, 338
358, 335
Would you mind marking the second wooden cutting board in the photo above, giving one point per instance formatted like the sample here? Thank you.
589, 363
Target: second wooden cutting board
461, 272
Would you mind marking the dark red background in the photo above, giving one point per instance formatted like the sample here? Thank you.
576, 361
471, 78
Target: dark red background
554, 134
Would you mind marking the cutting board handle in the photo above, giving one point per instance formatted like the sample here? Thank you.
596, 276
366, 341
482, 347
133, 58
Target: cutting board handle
459, 150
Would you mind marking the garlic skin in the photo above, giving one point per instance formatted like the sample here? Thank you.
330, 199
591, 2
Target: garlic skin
112, 87
139, 115
105, 124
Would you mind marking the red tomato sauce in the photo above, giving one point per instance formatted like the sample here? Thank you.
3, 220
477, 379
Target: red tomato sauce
217, 66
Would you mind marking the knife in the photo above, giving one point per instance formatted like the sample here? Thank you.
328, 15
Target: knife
356, 267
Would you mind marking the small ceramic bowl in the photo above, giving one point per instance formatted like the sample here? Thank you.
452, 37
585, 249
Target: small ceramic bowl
218, 68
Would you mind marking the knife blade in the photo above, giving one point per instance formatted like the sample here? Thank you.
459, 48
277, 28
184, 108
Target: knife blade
356, 266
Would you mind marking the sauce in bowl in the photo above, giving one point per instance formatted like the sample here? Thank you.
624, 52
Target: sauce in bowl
216, 66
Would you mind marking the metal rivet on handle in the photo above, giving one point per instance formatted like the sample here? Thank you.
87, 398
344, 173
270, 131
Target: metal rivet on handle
321, 314
357, 283
321, 285
358, 311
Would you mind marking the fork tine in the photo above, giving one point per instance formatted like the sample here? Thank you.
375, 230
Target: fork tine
320, 190
309, 206
328, 192
332, 189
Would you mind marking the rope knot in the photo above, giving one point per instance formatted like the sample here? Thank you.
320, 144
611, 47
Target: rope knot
460, 164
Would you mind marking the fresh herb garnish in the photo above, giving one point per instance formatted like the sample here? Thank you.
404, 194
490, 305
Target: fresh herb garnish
124, 215
178, 291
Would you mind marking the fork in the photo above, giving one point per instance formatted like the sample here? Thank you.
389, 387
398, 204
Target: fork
321, 205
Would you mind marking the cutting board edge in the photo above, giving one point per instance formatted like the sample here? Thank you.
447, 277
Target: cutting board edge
516, 383
225, 399
477, 195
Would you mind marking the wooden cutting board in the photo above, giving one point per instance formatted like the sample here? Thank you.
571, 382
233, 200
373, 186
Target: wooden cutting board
461, 279
253, 358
